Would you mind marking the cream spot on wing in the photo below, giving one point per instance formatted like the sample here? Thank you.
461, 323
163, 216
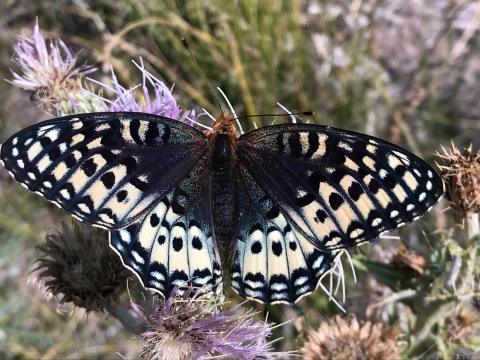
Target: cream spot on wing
394, 213
60, 170
322, 147
84, 208
367, 160
422, 196
77, 138
43, 163
345, 146
78, 180
20, 164
410, 180
351, 165
95, 143
383, 198
15, 152
34, 150
142, 130
53, 134
393, 161
65, 194
76, 124
102, 127
371, 149
304, 143
399, 193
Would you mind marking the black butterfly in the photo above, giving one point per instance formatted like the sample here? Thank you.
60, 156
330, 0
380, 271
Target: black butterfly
287, 198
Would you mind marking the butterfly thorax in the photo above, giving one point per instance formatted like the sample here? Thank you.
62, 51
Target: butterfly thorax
223, 184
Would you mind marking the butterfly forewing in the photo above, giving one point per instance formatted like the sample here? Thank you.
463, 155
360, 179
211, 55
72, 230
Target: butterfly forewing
106, 169
337, 188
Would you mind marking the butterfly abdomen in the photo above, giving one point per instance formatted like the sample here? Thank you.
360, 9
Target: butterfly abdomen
223, 184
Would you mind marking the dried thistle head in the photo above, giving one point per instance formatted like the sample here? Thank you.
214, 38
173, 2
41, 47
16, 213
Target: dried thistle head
191, 327
461, 174
462, 325
348, 339
408, 263
78, 266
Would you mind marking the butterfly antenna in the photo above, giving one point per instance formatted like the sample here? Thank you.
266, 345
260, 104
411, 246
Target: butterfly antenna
184, 41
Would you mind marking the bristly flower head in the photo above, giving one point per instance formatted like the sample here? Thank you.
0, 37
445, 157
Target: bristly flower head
349, 340
190, 327
79, 267
163, 102
461, 174
50, 75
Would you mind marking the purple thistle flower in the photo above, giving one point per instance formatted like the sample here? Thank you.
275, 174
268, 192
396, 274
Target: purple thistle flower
49, 73
42, 68
190, 327
163, 102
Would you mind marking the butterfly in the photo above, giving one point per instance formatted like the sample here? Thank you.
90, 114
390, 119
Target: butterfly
283, 200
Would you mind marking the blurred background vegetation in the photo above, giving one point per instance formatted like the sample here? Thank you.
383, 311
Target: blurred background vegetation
403, 71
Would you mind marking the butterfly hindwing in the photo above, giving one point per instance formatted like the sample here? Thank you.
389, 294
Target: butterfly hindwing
273, 263
338, 188
172, 244
107, 168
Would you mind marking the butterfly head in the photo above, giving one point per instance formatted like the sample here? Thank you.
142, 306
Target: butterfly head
224, 125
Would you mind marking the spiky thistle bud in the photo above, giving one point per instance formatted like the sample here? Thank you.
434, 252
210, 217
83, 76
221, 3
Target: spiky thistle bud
78, 266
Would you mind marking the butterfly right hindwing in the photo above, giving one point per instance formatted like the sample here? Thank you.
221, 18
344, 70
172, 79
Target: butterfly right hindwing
273, 262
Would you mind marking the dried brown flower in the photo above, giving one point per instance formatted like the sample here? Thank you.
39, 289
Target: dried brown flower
462, 325
79, 265
461, 174
408, 263
347, 339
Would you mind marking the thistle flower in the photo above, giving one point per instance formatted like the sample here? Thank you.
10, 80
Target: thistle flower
79, 267
190, 327
50, 75
347, 339
163, 102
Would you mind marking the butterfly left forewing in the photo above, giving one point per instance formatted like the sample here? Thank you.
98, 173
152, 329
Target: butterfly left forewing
338, 188
106, 169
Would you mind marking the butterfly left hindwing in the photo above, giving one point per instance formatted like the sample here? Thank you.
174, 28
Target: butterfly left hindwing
172, 244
